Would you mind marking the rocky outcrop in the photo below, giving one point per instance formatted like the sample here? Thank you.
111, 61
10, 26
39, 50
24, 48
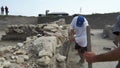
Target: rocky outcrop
107, 32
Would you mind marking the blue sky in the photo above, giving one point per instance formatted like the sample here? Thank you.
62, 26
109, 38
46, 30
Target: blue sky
35, 7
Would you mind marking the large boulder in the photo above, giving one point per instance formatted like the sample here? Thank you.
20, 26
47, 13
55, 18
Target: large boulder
107, 32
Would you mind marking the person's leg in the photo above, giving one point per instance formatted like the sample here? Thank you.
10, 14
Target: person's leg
82, 59
81, 51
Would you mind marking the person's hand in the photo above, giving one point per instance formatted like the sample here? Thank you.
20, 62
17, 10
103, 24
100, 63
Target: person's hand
90, 57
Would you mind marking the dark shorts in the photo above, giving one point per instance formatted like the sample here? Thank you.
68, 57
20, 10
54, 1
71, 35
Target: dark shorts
81, 49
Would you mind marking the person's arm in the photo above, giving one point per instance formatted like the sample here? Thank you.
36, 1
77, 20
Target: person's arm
72, 30
109, 56
71, 35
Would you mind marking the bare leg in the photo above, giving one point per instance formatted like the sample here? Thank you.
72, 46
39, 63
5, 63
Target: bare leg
82, 60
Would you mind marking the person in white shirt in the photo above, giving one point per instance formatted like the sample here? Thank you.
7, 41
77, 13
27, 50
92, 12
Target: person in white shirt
78, 32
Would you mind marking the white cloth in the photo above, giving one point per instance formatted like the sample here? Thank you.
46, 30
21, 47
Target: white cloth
81, 34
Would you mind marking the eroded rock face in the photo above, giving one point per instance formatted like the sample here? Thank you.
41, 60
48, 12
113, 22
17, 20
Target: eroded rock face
20, 32
107, 32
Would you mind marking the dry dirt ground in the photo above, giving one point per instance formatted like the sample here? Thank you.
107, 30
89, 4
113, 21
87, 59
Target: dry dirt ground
98, 44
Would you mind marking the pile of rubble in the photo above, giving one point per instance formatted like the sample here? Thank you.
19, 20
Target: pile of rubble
44, 47
36, 52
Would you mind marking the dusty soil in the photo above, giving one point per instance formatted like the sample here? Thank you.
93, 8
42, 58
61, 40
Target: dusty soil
98, 44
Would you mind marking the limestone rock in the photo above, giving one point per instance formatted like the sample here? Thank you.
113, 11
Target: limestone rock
60, 58
45, 53
2, 59
44, 60
20, 60
19, 44
23, 52
6, 64
46, 43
